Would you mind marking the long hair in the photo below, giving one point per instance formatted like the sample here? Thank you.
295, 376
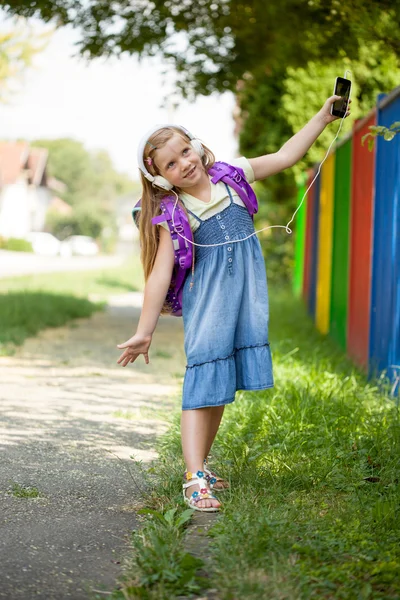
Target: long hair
152, 196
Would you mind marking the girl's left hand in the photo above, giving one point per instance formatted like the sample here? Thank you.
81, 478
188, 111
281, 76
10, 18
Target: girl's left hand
325, 112
136, 345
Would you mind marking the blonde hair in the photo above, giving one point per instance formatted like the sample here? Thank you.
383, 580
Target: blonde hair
152, 196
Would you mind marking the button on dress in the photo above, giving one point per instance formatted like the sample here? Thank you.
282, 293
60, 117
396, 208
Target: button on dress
226, 312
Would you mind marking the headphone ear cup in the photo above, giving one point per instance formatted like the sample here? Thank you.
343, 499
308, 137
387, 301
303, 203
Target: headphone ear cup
162, 183
197, 147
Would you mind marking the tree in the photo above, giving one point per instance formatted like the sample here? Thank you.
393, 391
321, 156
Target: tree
91, 181
81, 222
18, 46
213, 43
276, 104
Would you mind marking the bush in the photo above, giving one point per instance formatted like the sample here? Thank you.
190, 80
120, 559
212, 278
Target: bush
81, 222
15, 244
277, 246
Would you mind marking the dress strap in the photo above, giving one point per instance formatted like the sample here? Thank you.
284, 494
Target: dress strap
229, 192
193, 215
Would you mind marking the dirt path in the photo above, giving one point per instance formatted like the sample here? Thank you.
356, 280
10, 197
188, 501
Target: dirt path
70, 420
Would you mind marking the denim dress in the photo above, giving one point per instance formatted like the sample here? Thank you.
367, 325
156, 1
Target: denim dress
225, 313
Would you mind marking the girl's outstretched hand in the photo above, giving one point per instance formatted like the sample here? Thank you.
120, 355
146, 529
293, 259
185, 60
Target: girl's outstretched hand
325, 111
138, 344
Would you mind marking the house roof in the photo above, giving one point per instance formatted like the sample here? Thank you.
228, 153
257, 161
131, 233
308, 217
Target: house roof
17, 157
13, 158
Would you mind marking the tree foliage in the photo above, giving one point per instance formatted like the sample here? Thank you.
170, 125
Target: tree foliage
18, 45
92, 187
80, 222
213, 43
280, 58
275, 104
90, 178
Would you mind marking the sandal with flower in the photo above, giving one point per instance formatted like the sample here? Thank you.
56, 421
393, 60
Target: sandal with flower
192, 501
218, 484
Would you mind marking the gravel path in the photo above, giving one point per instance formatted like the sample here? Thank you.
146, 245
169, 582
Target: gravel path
71, 418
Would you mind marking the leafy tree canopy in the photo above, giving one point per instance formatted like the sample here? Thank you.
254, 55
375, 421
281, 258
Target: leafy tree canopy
90, 177
213, 43
18, 45
273, 106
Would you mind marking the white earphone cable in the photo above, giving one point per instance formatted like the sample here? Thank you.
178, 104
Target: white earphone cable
286, 227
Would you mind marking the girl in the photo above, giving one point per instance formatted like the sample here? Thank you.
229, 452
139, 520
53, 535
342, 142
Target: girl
225, 302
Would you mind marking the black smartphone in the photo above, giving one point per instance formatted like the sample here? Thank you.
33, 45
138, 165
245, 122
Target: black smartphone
342, 88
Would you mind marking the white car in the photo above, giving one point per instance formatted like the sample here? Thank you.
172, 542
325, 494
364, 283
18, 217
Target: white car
44, 243
81, 245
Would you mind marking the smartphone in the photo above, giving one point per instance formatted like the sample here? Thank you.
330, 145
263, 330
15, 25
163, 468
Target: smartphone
342, 88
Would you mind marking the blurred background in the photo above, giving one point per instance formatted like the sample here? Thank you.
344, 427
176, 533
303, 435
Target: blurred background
82, 82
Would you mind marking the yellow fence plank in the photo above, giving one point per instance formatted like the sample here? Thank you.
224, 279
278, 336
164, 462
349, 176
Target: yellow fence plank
324, 273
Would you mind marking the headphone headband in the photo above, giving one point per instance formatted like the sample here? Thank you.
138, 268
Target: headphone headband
144, 140
142, 144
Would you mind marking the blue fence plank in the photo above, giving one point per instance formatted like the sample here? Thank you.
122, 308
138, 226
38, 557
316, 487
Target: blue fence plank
384, 351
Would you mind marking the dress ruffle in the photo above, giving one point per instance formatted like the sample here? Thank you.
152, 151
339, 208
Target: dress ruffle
248, 368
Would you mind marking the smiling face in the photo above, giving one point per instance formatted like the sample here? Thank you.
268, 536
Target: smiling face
179, 163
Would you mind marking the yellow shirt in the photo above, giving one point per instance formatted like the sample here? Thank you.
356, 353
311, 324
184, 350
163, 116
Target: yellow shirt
219, 197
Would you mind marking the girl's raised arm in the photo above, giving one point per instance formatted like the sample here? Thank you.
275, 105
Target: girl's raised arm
296, 147
155, 292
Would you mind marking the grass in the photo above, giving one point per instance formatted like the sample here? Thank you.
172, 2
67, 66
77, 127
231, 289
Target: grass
31, 303
24, 491
102, 282
24, 314
314, 506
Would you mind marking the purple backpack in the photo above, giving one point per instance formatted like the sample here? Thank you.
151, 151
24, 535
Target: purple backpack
220, 171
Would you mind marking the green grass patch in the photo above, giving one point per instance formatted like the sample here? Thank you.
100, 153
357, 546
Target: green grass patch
160, 567
23, 314
31, 303
314, 505
24, 491
102, 282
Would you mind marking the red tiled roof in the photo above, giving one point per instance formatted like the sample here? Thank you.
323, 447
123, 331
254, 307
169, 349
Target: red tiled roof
13, 159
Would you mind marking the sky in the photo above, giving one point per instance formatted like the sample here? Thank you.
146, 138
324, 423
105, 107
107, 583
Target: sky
106, 104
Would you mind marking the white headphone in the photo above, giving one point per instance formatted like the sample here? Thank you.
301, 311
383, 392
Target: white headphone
158, 180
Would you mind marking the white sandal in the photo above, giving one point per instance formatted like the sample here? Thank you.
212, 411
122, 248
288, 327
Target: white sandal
203, 494
213, 478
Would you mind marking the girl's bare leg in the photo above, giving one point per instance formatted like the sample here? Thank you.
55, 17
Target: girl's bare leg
216, 416
217, 412
195, 430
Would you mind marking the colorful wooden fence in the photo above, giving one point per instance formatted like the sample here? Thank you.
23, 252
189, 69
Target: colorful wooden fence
348, 246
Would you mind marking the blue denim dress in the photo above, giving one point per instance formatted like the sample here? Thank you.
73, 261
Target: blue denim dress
225, 314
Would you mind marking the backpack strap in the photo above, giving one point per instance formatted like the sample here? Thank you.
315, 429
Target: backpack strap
184, 252
159, 219
180, 224
236, 179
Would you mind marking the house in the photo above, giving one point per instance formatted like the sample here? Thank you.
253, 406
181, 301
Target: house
24, 192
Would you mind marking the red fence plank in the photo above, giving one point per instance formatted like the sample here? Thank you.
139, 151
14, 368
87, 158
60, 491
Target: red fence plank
362, 199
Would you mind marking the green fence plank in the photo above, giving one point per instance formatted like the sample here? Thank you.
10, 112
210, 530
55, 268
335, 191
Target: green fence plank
300, 234
341, 234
